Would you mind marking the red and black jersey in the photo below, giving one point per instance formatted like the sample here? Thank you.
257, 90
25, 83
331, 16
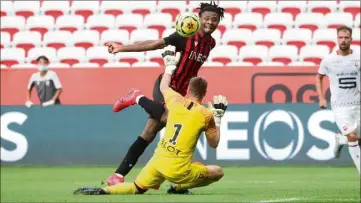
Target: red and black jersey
194, 52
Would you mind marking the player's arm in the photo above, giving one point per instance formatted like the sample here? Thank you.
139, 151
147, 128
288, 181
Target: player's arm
170, 59
322, 71
213, 123
28, 102
213, 132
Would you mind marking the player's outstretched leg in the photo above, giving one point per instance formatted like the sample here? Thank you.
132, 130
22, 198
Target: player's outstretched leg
135, 151
127, 100
120, 189
215, 173
354, 149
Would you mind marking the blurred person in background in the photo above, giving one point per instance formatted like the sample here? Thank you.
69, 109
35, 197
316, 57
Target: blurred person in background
47, 84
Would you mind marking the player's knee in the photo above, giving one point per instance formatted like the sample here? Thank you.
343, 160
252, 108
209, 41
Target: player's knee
215, 173
139, 190
352, 137
148, 136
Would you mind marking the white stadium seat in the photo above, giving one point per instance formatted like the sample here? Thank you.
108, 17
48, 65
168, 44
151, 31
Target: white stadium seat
55, 8
356, 36
238, 37
6, 8
357, 21
142, 7
225, 23
143, 34
280, 21
297, 37
147, 64
129, 57
233, 7
333, 20
299, 63
314, 53
85, 65
168, 32
58, 65
250, 21
34, 53
322, 7
118, 36
212, 64
326, 37
262, 7
100, 23
11, 56
311, 21
224, 54
114, 8
267, 37
99, 55
217, 35
292, 7
70, 23
270, 63
283, 53
24, 66
58, 39
26, 8
12, 24
129, 22
171, 7
27, 40
86, 38
155, 56
117, 65
253, 53
158, 21
2, 66
71, 55
41, 24
239, 63
84, 8
5, 39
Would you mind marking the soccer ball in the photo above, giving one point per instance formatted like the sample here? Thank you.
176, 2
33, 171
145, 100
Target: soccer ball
187, 24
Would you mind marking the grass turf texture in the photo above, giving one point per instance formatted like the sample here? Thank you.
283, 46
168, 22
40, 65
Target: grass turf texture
240, 184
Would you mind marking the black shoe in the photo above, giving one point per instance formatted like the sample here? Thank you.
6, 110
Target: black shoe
172, 190
89, 191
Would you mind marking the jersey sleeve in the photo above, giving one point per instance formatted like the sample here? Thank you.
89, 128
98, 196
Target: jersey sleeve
175, 40
31, 82
56, 80
171, 98
210, 126
323, 70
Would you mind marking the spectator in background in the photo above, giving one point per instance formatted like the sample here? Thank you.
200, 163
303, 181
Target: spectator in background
47, 84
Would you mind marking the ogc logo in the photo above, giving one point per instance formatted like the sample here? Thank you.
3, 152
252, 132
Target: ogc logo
296, 128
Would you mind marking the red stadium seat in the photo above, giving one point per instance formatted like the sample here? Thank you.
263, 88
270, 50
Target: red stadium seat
279, 21
119, 36
327, 37
322, 7
254, 54
34, 53
26, 8
100, 23
292, 7
283, 53
84, 8
223, 54
6, 8
314, 53
297, 37
172, 8
266, 37
12, 24
155, 56
158, 21
142, 7
262, 7
129, 57
114, 8
311, 21
129, 22
250, 21
70, 23
41, 24
225, 23
233, 7
71, 55
334, 20
58, 39
55, 8
12, 56
352, 7
99, 55
237, 37
86, 38
27, 40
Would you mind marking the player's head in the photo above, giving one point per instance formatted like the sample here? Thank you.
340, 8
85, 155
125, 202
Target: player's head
210, 15
43, 63
198, 88
344, 37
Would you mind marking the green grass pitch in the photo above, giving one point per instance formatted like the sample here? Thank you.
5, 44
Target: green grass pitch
240, 184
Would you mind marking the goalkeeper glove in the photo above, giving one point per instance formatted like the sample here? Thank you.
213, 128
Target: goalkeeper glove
218, 108
170, 60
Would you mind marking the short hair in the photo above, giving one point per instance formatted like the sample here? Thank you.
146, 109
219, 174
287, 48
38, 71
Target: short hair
198, 87
42, 57
213, 7
344, 27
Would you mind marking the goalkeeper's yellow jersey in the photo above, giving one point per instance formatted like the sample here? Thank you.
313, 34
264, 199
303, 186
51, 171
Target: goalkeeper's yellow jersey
186, 121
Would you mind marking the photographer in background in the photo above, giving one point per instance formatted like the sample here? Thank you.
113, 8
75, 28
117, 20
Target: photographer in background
47, 84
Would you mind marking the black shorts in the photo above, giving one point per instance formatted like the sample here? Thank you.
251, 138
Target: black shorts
157, 94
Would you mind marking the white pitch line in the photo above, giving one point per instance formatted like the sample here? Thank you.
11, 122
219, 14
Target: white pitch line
278, 200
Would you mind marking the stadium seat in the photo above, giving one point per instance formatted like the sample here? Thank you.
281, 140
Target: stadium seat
100, 23
253, 53
352, 7
356, 36
237, 37
223, 54
292, 7
239, 63
168, 32
326, 37
85, 65
155, 56
279, 21
225, 23
70, 23
41, 24
99, 55
129, 22
283, 53
142, 7
262, 7
334, 20
267, 37
5, 40
27, 40
212, 64
357, 21
297, 37
158, 21
86, 38
84, 8
118, 36
143, 34
172, 7
58, 39
6, 8
217, 35
34, 53
12, 56
250, 21
322, 7
270, 63
129, 57
314, 53
26, 8
55, 8
58, 65
12, 24
114, 8
71, 55
233, 7
24, 66
145, 64
299, 63
193, 5
2, 66
117, 65
311, 21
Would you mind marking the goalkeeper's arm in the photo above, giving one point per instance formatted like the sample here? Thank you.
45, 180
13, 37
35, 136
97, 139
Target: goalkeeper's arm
170, 59
218, 108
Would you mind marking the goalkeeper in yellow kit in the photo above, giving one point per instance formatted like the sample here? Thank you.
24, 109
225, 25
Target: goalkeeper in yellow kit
185, 120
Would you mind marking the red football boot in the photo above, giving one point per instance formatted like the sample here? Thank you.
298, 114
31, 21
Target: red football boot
114, 179
127, 100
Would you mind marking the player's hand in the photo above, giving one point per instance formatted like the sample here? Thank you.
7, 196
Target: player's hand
218, 108
113, 47
322, 103
29, 103
49, 103
170, 58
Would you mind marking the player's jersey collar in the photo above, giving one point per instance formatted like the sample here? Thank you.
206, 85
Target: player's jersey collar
339, 53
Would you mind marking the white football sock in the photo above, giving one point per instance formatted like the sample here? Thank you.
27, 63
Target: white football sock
342, 139
138, 97
119, 175
354, 150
